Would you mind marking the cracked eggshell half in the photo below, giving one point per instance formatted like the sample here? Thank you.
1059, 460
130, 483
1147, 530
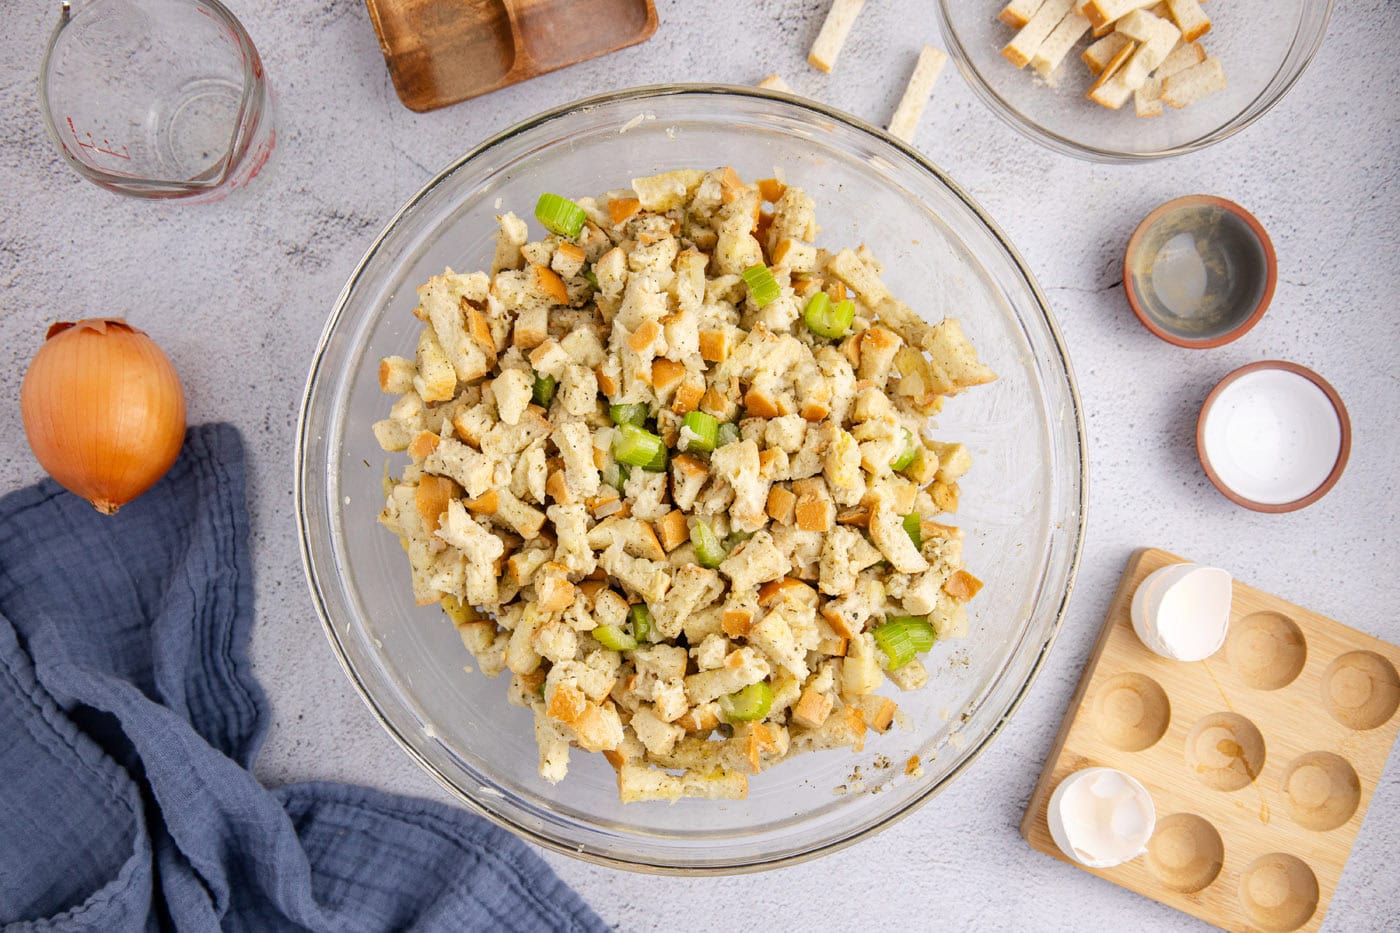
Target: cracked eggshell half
1101, 817
1145, 600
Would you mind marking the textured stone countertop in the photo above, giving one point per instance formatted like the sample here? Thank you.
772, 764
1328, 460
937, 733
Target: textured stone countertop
237, 293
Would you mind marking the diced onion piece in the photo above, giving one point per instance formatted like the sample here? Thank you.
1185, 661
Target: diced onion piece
903, 637
763, 288
614, 638
708, 551
747, 705
636, 446
560, 215
543, 392
704, 427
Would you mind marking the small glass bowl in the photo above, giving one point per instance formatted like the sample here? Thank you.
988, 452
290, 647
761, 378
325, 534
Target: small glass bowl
1264, 47
1022, 503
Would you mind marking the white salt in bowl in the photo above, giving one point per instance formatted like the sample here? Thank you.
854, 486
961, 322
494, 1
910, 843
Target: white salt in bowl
1273, 436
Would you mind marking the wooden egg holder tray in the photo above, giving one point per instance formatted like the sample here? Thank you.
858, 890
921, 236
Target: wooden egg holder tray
1261, 760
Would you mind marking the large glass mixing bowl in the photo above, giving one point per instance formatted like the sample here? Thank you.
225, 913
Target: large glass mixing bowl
1022, 503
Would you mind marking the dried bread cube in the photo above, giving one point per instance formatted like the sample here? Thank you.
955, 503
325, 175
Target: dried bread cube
837, 25
1102, 12
1053, 50
667, 190
1157, 38
1019, 12
1027, 42
1147, 100
1182, 57
1190, 85
638, 782
1189, 18
774, 82
916, 93
1102, 53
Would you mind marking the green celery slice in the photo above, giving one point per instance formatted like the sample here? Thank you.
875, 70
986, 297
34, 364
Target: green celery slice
705, 427
610, 636
749, 704
708, 551
903, 637
763, 288
559, 215
638, 447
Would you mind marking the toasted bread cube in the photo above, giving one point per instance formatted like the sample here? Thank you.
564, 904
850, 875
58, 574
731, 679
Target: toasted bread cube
1103, 52
1053, 50
396, 375
1188, 86
916, 93
673, 530
1189, 18
781, 505
774, 82
1019, 12
1027, 42
835, 28
879, 711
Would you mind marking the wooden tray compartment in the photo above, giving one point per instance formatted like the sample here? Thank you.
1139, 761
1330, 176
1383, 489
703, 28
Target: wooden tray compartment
440, 52
1261, 760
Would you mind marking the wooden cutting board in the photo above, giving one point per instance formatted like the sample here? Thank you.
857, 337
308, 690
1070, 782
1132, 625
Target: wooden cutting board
440, 52
1260, 760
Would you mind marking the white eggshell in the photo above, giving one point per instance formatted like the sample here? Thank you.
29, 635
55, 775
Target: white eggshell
1101, 817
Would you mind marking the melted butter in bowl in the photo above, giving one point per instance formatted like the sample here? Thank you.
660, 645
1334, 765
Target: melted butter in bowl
1199, 271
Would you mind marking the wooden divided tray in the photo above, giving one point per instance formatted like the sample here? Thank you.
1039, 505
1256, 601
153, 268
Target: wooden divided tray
440, 52
1260, 760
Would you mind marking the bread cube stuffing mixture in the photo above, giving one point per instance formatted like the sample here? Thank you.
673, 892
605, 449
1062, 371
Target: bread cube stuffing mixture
670, 467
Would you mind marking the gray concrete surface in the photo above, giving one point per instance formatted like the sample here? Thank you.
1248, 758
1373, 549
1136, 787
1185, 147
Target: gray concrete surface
237, 294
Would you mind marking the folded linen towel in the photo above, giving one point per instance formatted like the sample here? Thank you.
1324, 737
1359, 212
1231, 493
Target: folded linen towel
129, 719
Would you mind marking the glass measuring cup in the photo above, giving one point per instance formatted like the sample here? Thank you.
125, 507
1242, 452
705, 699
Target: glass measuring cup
157, 98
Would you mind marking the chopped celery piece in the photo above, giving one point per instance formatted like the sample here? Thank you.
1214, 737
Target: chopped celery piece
728, 433
544, 390
903, 637
633, 413
590, 277
826, 319
642, 622
763, 288
747, 705
704, 427
708, 551
610, 636
560, 215
906, 456
737, 538
636, 446
913, 526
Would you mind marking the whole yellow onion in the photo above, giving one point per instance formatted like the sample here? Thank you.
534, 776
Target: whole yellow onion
103, 410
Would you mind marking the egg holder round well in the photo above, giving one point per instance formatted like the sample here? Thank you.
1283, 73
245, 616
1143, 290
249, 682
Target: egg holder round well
1261, 759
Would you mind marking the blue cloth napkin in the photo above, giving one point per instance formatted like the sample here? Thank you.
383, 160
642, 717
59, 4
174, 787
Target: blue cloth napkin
129, 718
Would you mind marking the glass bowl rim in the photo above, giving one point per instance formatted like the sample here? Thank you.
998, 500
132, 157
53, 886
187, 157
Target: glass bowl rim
1028, 127
621, 861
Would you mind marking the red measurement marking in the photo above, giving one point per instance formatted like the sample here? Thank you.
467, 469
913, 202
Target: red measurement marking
105, 148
